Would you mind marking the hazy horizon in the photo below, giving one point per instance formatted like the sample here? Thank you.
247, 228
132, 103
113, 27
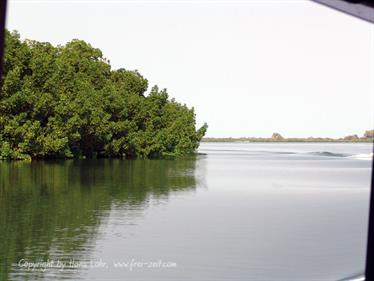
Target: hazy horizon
286, 136
249, 68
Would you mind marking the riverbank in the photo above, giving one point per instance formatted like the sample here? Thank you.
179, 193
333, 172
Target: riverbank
367, 137
304, 140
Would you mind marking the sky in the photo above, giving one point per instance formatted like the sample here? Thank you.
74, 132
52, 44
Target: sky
249, 68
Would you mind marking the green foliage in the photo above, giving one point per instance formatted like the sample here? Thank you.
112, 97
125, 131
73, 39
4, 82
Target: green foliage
65, 101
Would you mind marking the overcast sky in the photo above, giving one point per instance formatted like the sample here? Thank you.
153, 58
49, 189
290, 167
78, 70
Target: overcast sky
249, 68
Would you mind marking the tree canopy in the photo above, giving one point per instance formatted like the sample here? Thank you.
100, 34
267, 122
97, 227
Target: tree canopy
66, 101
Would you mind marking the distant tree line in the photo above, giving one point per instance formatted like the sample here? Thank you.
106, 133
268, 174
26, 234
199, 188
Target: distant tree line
276, 137
66, 101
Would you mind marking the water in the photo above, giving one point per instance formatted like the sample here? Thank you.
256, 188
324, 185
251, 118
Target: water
235, 212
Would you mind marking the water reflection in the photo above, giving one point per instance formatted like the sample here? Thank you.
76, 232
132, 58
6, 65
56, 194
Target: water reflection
52, 210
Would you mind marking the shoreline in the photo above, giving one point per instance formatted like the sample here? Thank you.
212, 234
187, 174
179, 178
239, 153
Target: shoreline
234, 140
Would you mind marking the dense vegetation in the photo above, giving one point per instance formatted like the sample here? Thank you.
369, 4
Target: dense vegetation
65, 101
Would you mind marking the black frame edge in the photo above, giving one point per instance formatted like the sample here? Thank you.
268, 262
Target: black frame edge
3, 8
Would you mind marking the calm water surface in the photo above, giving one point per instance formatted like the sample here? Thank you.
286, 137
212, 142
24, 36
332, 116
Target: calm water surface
235, 212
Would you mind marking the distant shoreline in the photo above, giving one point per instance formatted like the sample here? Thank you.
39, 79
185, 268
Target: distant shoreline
367, 137
288, 140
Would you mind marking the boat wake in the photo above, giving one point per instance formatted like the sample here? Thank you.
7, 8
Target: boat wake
329, 154
368, 156
364, 156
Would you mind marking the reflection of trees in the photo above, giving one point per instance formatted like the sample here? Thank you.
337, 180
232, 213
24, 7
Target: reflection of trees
57, 207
